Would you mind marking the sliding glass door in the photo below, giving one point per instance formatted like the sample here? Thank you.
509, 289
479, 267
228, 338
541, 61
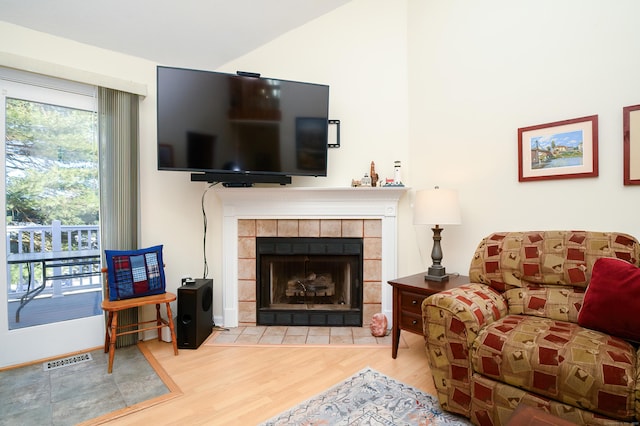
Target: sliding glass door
52, 292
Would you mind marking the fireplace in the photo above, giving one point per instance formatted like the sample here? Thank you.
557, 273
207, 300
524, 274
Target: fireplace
367, 213
309, 281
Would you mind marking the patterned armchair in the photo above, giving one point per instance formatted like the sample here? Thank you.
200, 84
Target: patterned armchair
511, 336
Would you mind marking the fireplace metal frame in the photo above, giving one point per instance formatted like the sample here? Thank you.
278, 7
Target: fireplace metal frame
296, 246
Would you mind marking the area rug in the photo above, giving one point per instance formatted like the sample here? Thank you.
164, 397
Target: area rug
369, 398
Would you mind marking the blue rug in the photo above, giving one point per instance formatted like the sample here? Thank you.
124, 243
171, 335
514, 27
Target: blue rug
369, 398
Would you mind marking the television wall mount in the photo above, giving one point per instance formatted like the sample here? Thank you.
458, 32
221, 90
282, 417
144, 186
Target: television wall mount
248, 74
334, 134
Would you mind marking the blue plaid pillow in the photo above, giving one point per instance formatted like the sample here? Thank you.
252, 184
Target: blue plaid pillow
135, 273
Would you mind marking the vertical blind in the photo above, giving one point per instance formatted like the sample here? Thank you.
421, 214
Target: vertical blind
118, 130
118, 139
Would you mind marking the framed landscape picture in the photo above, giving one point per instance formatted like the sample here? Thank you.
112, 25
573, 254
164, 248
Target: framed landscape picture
631, 141
560, 150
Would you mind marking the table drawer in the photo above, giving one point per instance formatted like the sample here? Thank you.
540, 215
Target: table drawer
411, 322
412, 302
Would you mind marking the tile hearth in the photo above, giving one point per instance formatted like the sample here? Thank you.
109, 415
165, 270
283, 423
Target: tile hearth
277, 335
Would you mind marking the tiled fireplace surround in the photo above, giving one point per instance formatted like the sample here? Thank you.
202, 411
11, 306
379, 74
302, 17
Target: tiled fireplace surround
368, 213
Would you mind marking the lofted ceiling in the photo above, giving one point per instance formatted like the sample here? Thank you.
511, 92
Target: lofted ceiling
189, 33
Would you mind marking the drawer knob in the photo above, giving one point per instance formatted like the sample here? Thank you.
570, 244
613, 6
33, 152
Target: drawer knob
414, 322
415, 302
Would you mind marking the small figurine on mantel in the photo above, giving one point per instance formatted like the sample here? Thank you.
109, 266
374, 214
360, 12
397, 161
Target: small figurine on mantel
396, 173
373, 175
397, 180
369, 179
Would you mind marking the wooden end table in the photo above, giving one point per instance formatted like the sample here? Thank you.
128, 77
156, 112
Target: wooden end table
408, 294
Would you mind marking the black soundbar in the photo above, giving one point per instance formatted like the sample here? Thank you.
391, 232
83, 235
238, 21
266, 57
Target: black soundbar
239, 179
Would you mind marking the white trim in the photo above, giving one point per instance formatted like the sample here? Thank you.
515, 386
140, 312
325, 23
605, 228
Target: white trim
24, 63
43, 81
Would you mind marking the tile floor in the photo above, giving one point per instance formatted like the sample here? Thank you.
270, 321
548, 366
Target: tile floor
70, 395
276, 335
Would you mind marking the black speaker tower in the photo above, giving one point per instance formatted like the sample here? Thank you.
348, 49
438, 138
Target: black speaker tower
195, 317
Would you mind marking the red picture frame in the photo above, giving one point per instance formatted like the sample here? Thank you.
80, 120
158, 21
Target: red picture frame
631, 144
564, 149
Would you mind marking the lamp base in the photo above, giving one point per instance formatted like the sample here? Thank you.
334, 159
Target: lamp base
436, 273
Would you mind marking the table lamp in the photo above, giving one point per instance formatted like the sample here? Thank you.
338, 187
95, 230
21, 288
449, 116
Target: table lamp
436, 207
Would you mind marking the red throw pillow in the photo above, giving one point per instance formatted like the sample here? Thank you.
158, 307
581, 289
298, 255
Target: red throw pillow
612, 300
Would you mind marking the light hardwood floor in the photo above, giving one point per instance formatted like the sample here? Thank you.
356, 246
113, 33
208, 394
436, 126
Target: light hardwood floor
248, 385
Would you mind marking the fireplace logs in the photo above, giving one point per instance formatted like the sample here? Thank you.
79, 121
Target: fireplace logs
314, 285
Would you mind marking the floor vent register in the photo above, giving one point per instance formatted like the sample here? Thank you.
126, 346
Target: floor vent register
65, 362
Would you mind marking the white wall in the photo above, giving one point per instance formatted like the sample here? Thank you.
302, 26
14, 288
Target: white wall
360, 50
441, 85
480, 70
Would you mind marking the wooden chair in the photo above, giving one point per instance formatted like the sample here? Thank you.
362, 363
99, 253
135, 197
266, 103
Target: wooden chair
114, 330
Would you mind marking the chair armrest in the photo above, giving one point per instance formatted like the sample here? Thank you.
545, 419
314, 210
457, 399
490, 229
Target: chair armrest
451, 321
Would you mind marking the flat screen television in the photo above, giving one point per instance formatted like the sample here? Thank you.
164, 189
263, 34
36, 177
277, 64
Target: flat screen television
240, 128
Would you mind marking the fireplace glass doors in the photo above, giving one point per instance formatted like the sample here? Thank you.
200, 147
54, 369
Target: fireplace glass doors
309, 281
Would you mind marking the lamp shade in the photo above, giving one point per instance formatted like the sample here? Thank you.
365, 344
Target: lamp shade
436, 207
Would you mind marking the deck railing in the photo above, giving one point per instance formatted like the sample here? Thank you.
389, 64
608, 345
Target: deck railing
44, 238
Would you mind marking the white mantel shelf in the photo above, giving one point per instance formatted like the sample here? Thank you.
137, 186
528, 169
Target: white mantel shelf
310, 201
305, 203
